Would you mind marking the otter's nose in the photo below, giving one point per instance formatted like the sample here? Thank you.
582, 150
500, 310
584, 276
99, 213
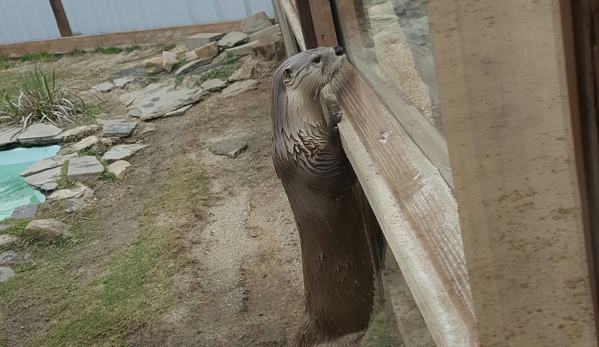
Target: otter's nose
338, 50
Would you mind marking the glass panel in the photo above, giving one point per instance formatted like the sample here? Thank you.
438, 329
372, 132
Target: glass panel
389, 44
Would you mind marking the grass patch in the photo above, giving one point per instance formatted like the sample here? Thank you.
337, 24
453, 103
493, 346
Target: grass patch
41, 98
107, 176
63, 181
40, 57
4, 62
89, 151
76, 51
108, 50
132, 48
17, 228
132, 289
221, 72
165, 46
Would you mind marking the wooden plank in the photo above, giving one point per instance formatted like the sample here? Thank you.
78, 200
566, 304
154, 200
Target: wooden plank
504, 99
322, 20
294, 22
415, 208
286, 30
138, 37
61, 18
579, 45
305, 18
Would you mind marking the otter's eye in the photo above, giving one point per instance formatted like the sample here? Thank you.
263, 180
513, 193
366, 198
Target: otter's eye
316, 60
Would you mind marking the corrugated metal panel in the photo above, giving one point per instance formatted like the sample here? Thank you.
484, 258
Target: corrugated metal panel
103, 16
26, 20
30, 20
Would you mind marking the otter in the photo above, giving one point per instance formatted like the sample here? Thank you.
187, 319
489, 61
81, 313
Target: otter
341, 243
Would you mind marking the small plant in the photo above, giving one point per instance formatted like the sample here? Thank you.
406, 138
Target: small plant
107, 176
132, 48
40, 98
165, 46
63, 181
42, 56
76, 51
4, 61
89, 151
92, 110
222, 72
108, 50
18, 228
179, 64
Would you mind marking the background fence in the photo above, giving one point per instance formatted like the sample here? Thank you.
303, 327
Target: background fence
31, 20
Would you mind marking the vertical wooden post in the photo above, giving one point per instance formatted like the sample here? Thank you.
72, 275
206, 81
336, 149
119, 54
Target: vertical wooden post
505, 101
305, 17
288, 37
322, 18
61, 18
581, 24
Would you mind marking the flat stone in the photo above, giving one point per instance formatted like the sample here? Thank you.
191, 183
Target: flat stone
73, 205
103, 87
233, 39
25, 211
238, 88
153, 65
122, 152
202, 39
270, 48
168, 60
84, 168
148, 128
213, 85
271, 30
77, 133
243, 49
45, 164
231, 148
191, 56
40, 180
123, 129
106, 141
7, 257
7, 136
119, 168
62, 194
39, 134
123, 81
244, 73
255, 22
88, 194
6, 273
48, 187
192, 65
208, 51
6, 239
46, 229
164, 100
86, 143
111, 121
179, 112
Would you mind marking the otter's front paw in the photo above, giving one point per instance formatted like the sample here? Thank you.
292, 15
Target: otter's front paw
333, 128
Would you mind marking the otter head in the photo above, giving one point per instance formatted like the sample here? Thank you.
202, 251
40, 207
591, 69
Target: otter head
309, 71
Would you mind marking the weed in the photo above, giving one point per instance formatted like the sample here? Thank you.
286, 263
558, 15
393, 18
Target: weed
92, 110
63, 181
179, 64
165, 46
132, 48
4, 61
40, 98
16, 229
37, 57
107, 176
89, 151
76, 51
221, 72
108, 50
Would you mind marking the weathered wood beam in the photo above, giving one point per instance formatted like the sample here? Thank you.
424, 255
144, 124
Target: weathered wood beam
322, 20
286, 30
61, 18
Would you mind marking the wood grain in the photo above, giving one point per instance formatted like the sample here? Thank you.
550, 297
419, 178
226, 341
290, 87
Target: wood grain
322, 19
415, 208
286, 30
505, 105
294, 22
138, 37
305, 18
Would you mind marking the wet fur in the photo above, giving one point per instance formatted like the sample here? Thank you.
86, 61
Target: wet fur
335, 223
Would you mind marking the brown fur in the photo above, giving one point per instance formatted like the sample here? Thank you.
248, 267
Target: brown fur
341, 242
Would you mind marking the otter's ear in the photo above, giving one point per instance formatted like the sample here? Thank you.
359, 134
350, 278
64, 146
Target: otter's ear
287, 74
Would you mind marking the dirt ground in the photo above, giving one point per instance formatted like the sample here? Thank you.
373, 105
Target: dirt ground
219, 258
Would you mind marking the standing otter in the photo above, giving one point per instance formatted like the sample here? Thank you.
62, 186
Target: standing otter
341, 242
